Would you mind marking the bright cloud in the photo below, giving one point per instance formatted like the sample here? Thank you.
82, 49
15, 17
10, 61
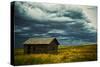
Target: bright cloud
18, 30
26, 28
56, 31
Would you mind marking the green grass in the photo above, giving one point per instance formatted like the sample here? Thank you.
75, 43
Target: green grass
64, 54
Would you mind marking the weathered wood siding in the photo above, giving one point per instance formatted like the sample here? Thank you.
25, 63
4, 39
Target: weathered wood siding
41, 48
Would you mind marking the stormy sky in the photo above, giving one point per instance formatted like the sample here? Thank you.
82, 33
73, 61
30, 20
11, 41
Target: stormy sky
70, 24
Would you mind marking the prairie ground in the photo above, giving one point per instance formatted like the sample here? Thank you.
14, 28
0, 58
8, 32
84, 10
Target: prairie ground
65, 54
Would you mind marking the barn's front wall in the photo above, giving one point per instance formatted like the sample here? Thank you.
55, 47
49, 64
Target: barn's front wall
54, 45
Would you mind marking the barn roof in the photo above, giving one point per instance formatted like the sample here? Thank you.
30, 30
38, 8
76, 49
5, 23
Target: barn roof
39, 40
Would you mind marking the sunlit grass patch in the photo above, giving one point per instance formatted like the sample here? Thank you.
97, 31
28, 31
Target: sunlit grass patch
64, 54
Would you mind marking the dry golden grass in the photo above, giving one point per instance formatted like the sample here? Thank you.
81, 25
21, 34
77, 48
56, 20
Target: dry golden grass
65, 54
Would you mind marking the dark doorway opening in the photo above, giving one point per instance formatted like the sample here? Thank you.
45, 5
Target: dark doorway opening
33, 49
28, 49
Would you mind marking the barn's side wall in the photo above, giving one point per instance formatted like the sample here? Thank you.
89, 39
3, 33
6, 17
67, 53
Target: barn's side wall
42, 48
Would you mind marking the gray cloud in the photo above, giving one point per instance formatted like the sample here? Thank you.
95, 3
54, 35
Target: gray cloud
45, 12
65, 22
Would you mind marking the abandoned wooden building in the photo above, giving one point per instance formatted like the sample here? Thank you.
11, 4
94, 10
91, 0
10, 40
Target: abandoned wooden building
40, 45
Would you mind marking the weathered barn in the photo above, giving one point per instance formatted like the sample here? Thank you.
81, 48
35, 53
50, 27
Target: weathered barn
40, 45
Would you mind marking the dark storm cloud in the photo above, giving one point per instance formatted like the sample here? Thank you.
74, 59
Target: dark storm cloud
53, 20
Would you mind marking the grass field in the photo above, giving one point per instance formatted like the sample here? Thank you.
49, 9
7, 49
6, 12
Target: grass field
64, 54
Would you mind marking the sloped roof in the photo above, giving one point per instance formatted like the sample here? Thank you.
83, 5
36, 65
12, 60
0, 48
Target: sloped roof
39, 40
